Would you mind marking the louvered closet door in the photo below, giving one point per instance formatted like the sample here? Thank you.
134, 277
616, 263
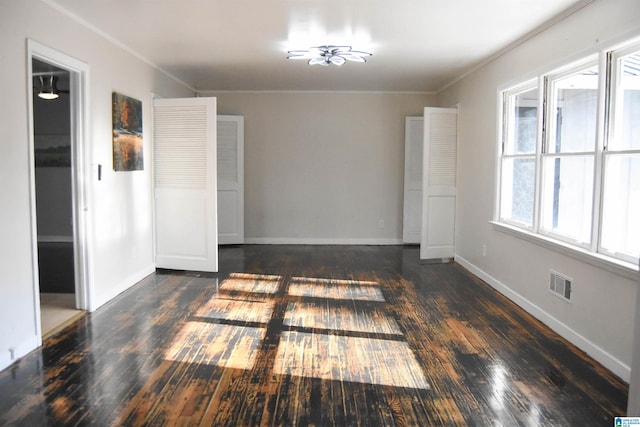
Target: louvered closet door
230, 180
439, 183
185, 184
412, 212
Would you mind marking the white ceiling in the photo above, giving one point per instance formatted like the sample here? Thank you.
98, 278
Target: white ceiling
417, 45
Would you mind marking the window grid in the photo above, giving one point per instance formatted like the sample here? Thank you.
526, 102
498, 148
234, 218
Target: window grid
524, 112
622, 157
582, 111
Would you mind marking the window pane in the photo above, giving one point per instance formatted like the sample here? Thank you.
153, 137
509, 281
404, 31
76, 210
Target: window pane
522, 122
621, 209
567, 197
573, 120
627, 109
518, 186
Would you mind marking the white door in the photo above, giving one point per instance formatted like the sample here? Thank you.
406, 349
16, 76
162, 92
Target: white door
412, 212
439, 183
230, 180
184, 149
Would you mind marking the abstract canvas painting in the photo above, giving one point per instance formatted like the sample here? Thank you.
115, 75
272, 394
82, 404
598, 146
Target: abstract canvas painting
127, 133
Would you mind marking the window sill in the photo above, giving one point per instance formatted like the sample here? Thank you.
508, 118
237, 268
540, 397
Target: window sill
621, 268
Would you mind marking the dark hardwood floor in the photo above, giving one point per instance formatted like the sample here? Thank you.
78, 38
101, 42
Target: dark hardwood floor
310, 335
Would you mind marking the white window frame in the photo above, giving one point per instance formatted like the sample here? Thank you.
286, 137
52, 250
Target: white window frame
505, 133
592, 251
547, 94
613, 59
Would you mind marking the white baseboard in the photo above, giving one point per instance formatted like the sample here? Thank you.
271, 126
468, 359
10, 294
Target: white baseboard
19, 350
607, 360
23, 348
96, 301
318, 241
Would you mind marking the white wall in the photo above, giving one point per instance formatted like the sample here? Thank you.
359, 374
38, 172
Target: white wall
323, 167
119, 206
633, 404
600, 318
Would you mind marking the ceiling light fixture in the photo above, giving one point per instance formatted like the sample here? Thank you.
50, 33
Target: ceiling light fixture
48, 88
329, 54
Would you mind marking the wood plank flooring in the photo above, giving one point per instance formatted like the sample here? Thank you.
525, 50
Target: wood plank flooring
310, 335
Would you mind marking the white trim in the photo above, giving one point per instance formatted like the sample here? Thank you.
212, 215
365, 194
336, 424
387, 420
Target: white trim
152, 181
625, 269
211, 92
114, 41
318, 241
20, 350
80, 172
118, 288
583, 251
620, 41
531, 34
602, 356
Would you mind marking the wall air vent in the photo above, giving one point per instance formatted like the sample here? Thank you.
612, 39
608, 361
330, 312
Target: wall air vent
560, 285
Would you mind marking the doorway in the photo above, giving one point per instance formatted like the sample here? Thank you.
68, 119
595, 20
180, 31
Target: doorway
54, 218
58, 191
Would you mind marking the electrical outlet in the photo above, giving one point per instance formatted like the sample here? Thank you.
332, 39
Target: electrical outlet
381, 223
484, 250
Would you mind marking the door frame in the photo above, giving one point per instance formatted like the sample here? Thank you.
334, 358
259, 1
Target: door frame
79, 102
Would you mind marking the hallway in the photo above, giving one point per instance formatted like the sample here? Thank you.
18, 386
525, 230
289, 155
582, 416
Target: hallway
310, 335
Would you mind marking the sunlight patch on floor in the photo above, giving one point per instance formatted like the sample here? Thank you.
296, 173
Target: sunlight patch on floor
237, 309
226, 346
335, 289
223, 331
340, 358
255, 283
327, 316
